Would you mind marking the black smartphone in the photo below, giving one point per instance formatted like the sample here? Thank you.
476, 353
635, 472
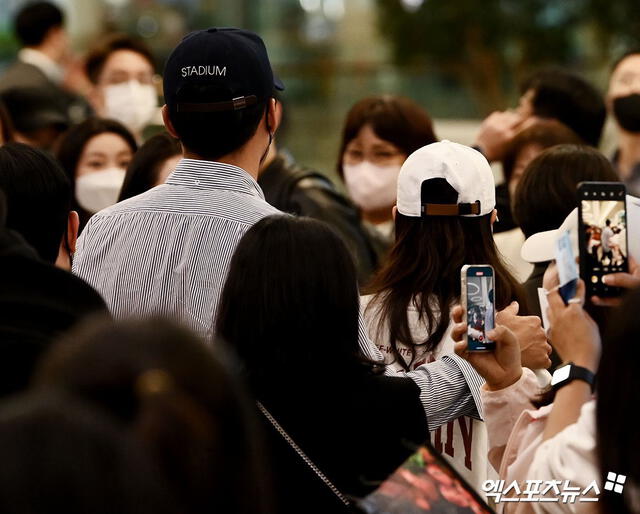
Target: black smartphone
602, 210
477, 295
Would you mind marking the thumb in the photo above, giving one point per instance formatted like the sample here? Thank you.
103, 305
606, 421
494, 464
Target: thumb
512, 309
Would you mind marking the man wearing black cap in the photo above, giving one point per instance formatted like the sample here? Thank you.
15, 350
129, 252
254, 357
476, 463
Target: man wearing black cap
167, 251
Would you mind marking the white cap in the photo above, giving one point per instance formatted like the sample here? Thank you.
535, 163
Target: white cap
540, 247
465, 169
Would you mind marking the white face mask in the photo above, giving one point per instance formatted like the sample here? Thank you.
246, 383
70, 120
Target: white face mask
131, 103
100, 189
370, 186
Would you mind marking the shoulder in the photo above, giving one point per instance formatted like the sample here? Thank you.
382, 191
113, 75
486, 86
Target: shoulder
22, 74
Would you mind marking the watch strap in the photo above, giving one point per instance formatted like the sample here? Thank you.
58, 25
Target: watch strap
577, 373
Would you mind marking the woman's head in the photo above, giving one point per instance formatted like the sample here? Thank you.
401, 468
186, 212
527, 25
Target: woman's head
179, 399
617, 439
60, 454
547, 191
438, 230
380, 132
530, 143
151, 165
290, 304
95, 155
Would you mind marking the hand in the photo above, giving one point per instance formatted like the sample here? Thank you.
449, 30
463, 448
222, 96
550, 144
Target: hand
500, 368
534, 348
572, 332
629, 280
496, 133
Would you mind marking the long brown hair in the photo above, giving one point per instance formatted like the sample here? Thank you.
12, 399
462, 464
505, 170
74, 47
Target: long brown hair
423, 269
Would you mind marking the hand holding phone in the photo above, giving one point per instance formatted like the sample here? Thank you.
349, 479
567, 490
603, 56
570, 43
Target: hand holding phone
478, 301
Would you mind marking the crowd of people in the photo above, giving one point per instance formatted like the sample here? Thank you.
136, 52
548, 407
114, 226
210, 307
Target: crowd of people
194, 322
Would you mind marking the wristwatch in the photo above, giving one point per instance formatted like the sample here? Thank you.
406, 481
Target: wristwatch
569, 372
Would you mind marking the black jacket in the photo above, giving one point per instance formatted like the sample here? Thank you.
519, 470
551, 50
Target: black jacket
357, 434
304, 192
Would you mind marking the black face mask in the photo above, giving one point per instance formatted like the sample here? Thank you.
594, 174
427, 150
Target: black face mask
626, 109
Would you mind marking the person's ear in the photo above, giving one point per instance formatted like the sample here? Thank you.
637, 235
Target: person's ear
68, 243
494, 216
167, 122
274, 115
394, 212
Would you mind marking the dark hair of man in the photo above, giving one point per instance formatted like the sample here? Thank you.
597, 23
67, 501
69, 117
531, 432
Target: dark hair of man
72, 144
98, 55
38, 197
291, 295
144, 168
617, 441
622, 57
212, 135
570, 99
395, 119
547, 191
543, 134
423, 270
180, 400
34, 21
6, 125
62, 455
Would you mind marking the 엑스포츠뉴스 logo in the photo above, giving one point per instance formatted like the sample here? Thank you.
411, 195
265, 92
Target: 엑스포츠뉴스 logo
615, 482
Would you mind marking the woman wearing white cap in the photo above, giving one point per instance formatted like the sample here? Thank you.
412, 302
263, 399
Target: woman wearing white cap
445, 211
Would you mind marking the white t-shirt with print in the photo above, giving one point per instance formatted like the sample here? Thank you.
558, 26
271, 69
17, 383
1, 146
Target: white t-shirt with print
463, 442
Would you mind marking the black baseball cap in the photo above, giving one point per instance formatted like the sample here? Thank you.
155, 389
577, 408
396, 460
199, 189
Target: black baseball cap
234, 60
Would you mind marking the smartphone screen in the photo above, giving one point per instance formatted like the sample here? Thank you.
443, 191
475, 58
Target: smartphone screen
603, 234
480, 306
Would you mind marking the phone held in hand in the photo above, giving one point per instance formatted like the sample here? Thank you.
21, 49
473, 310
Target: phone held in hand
602, 214
478, 301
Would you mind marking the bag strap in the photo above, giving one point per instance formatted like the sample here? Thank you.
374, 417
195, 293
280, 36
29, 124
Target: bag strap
303, 455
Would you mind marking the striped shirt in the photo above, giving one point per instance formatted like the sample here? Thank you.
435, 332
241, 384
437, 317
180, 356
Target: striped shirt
167, 252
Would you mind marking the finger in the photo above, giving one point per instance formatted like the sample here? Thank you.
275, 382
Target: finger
458, 331
513, 308
461, 349
457, 314
556, 303
501, 334
624, 280
605, 302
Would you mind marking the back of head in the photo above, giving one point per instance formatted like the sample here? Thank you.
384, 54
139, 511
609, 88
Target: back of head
6, 125
291, 288
570, 99
547, 191
396, 119
165, 384
34, 21
61, 455
142, 172
617, 440
218, 84
38, 196
104, 48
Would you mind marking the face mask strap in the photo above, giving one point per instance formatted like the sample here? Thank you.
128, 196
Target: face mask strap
266, 119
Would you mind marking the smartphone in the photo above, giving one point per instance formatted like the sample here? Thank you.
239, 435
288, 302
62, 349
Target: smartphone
602, 214
478, 301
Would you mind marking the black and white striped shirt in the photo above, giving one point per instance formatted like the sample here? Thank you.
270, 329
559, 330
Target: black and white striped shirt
167, 252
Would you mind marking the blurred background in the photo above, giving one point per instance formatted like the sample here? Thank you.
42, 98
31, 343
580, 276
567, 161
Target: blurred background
460, 59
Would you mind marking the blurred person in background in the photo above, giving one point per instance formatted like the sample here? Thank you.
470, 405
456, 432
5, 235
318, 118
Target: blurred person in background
290, 310
38, 198
121, 70
167, 251
62, 455
379, 133
95, 156
151, 165
6, 126
547, 193
524, 147
623, 101
298, 190
181, 401
408, 312
38, 301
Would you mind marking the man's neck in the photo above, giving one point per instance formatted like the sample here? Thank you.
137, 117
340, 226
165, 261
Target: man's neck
241, 160
629, 153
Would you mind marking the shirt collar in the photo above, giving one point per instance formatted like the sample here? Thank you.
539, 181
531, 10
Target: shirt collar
43, 62
199, 174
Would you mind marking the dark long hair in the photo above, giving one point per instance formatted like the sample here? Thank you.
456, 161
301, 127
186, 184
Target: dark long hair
71, 146
189, 410
291, 296
423, 269
396, 119
617, 439
143, 170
